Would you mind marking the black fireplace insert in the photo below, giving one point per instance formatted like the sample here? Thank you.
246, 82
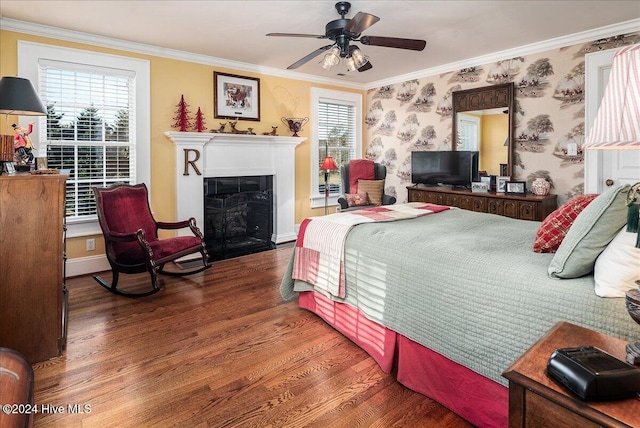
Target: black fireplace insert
238, 215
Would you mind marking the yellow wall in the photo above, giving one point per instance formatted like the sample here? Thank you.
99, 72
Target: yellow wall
494, 152
169, 80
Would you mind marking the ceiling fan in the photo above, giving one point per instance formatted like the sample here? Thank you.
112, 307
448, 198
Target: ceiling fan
344, 31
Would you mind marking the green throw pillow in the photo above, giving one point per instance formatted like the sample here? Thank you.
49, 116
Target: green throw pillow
590, 233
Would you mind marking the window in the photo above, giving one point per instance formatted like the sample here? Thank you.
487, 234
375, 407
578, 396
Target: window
96, 125
336, 119
468, 132
87, 129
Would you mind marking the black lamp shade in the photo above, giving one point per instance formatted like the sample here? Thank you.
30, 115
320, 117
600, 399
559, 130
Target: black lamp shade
19, 97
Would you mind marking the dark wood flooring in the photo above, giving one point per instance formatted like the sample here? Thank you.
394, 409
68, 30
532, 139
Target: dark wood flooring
217, 349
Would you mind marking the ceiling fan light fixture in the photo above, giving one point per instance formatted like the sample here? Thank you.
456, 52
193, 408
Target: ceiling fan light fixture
331, 58
342, 32
351, 64
359, 58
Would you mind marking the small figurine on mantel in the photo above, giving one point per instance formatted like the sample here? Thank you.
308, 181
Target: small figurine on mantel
22, 144
237, 131
221, 129
273, 131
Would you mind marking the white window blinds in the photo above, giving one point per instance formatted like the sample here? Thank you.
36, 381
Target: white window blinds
336, 138
89, 128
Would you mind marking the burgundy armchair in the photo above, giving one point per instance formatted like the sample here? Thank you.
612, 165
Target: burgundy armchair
131, 237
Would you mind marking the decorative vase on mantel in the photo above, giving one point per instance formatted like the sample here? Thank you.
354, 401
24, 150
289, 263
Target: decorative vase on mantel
295, 124
540, 186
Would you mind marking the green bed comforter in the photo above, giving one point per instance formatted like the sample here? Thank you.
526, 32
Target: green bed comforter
468, 286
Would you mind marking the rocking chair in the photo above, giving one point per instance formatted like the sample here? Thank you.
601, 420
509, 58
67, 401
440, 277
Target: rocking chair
131, 237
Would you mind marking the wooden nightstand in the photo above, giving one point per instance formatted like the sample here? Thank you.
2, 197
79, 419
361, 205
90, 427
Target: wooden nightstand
537, 400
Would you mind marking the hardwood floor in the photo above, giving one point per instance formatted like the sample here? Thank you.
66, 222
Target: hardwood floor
219, 348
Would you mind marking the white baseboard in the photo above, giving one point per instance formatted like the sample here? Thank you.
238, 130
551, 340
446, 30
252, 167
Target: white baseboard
87, 265
93, 264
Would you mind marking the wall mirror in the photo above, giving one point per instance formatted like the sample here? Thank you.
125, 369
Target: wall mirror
483, 120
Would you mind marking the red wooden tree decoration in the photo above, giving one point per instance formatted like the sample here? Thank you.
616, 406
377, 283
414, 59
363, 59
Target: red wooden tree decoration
182, 116
199, 126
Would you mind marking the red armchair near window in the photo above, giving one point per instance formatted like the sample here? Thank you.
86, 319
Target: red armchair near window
131, 237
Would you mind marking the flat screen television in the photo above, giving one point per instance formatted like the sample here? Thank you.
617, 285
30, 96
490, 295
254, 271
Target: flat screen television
457, 168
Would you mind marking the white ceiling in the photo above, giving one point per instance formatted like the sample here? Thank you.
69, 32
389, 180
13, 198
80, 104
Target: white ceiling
235, 30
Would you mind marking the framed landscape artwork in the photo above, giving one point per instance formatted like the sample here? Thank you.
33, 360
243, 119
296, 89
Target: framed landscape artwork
236, 97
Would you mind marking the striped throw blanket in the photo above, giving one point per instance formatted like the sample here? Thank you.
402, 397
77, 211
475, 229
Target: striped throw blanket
319, 252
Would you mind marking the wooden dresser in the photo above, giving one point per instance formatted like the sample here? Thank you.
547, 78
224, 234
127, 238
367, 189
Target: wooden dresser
524, 207
32, 290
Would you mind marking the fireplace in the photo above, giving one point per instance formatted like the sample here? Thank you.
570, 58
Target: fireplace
200, 156
238, 218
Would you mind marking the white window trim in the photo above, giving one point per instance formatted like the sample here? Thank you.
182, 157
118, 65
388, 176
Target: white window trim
29, 55
339, 97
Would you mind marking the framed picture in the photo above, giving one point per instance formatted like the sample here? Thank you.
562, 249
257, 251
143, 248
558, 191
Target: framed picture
480, 187
501, 183
8, 167
41, 163
516, 187
236, 97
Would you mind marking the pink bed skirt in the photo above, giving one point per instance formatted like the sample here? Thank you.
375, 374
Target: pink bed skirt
479, 400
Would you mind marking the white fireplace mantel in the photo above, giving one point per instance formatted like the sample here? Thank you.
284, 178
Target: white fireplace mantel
202, 155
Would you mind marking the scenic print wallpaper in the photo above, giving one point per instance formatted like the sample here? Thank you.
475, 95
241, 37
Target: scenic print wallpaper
549, 99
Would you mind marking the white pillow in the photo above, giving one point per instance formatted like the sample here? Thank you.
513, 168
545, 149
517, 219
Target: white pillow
618, 266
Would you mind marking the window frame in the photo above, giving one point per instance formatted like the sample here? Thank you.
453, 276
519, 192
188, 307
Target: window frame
29, 56
319, 95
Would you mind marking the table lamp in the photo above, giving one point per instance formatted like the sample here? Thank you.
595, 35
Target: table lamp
17, 97
616, 127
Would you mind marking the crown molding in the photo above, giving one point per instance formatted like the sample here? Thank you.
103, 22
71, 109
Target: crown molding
533, 48
144, 49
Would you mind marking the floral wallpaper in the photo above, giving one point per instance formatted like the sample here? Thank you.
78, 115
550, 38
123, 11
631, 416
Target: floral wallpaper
549, 98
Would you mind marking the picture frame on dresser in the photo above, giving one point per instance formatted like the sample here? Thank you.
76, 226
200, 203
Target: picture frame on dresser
501, 183
236, 97
480, 187
515, 188
8, 168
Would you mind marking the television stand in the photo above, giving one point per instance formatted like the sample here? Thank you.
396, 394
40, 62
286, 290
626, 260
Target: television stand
524, 207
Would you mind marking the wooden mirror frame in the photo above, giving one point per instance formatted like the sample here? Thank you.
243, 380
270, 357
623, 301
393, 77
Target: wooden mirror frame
486, 97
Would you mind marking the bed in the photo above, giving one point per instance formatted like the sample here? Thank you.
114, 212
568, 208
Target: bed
450, 300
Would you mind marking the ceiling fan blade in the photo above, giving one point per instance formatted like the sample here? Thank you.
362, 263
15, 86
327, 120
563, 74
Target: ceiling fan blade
394, 42
366, 66
308, 57
360, 22
310, 36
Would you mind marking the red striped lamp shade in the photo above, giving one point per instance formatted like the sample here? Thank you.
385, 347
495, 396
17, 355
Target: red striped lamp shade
617, 124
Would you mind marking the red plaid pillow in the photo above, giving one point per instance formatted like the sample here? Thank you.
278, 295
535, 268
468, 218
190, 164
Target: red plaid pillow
555, 227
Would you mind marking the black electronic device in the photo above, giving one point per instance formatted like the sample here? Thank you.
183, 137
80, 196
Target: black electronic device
453, 168
592, 374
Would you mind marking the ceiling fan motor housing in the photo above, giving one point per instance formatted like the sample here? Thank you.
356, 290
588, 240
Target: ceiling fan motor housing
334, 30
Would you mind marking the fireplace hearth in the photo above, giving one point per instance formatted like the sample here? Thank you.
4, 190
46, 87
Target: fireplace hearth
238, 215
